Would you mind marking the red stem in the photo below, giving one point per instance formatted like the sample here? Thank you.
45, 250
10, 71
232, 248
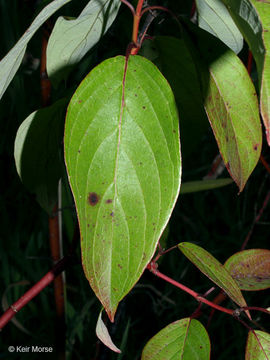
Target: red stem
34, 291
249, 63
156, 7
153, 268
265, 163
129, 6
136, 21
256, 308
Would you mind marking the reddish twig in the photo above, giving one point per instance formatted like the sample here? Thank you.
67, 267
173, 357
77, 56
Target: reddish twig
256, 308
54, 236
129, 6
265, 164
162, 8
193, 9
153, 268
249, 62
136, 22
35, 290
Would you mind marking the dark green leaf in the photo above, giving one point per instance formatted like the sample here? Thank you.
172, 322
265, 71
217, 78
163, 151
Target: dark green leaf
202, 185
174, 60
37, 152
123, 159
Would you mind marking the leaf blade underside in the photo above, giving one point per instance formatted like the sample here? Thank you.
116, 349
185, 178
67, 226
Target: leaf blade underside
122, 153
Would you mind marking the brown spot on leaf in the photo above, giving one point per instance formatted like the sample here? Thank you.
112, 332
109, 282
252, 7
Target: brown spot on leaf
80, 101
93, 198
109, 201
120, 266
255, 147
143, 107
112, 214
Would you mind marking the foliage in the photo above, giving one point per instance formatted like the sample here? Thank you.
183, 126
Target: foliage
128, 107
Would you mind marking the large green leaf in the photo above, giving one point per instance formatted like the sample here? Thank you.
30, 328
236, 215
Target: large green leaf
11, 62
250, 269
71, 39
214, 17
214, 270
258, 347
37, 152
253, 19
184, 339
122, 154
232, 108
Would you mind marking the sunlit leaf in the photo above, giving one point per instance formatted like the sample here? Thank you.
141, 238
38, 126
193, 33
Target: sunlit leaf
11, 62
184, 339
214, 270
250, 269
123, 160
37, 152
253, 19
214, 17
202, 185
258, 346
72, 39
104, 336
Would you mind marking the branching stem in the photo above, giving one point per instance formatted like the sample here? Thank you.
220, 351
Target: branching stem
153, 268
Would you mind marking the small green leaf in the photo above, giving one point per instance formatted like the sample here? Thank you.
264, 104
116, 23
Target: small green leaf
258, 346
37, 152
202, 185
250, 269
232, 108
11, 62
253, 20
104, 336
72, 39
214, 270
184, 339
122, 154
214, 17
